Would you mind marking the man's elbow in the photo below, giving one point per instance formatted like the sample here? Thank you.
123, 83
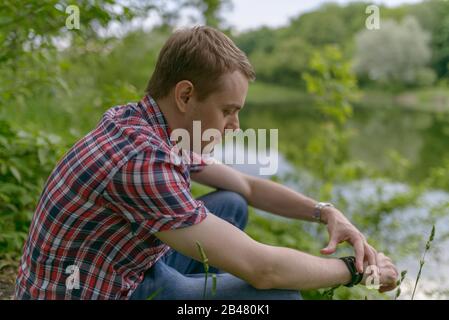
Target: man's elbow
264, 275
262, 284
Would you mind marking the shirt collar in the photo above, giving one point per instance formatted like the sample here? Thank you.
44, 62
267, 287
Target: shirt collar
156, 119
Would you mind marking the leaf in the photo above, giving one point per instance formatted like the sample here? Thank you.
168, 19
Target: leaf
42, 155
15, 173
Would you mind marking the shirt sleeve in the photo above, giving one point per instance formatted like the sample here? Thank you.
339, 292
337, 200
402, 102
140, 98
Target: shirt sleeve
154, 193
198, 163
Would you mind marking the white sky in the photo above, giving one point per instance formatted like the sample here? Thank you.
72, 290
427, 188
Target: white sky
249, 14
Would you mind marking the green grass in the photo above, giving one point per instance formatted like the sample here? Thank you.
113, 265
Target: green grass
263, 93
435, 99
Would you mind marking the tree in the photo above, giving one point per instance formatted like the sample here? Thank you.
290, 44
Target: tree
31, 33
433, 15
334, 86
396, 53
263, 39
324, 26
284, 64
211, 10
440, 45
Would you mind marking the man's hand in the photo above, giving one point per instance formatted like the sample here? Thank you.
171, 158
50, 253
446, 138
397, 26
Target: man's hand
341, 229
386, 272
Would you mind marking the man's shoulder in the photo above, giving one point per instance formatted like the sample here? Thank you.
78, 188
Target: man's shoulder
119, 137
126, 124
128, 116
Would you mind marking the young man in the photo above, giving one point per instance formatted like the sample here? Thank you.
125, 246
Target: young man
119, 200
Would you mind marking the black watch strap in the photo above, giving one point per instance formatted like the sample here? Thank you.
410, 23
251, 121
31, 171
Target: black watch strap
356, 277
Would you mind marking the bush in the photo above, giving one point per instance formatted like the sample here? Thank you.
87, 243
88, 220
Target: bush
26, 160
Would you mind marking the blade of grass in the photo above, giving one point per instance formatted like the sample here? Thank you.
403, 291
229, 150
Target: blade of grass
214, 284
206, 267
398, 291
422, 261
154, 294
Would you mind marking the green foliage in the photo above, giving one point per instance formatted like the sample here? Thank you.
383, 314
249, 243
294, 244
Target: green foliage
333, 84
263, 39
26, 160
211, 10
440, 45
264, 94
269, 49
322, 27
283, 65
28, 38
439, 176
433, 16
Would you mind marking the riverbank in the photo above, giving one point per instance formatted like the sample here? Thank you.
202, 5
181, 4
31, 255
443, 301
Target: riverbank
435, 99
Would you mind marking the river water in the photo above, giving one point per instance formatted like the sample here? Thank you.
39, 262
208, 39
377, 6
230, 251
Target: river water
434, 282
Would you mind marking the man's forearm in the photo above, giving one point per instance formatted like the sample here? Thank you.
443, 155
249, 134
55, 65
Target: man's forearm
276, 198
293, 269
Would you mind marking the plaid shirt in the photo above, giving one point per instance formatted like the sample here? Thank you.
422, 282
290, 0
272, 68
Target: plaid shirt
101, 206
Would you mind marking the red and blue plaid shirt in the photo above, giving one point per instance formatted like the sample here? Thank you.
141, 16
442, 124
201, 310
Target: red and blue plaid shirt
101, 206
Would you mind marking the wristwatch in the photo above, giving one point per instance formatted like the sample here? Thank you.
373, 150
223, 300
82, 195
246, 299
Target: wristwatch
356, 277
318, 209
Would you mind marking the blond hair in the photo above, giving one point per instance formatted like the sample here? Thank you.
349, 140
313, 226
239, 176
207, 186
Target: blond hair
201, 55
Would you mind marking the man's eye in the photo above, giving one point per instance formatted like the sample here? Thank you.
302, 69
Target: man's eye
226, 112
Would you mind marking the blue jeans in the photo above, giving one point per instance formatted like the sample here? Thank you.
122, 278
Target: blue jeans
178, 277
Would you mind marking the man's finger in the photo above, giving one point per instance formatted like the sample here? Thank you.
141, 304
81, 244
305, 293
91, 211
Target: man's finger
371, 257
375, 256
359, 249
331, 247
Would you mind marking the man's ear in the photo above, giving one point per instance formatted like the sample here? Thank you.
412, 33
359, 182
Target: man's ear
183, 94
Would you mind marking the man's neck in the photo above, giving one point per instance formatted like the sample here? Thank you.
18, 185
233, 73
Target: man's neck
167, 105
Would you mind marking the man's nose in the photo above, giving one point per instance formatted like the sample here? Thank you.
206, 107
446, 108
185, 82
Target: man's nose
234, 124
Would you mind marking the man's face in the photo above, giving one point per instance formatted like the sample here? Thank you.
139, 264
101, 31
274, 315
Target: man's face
221, 108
